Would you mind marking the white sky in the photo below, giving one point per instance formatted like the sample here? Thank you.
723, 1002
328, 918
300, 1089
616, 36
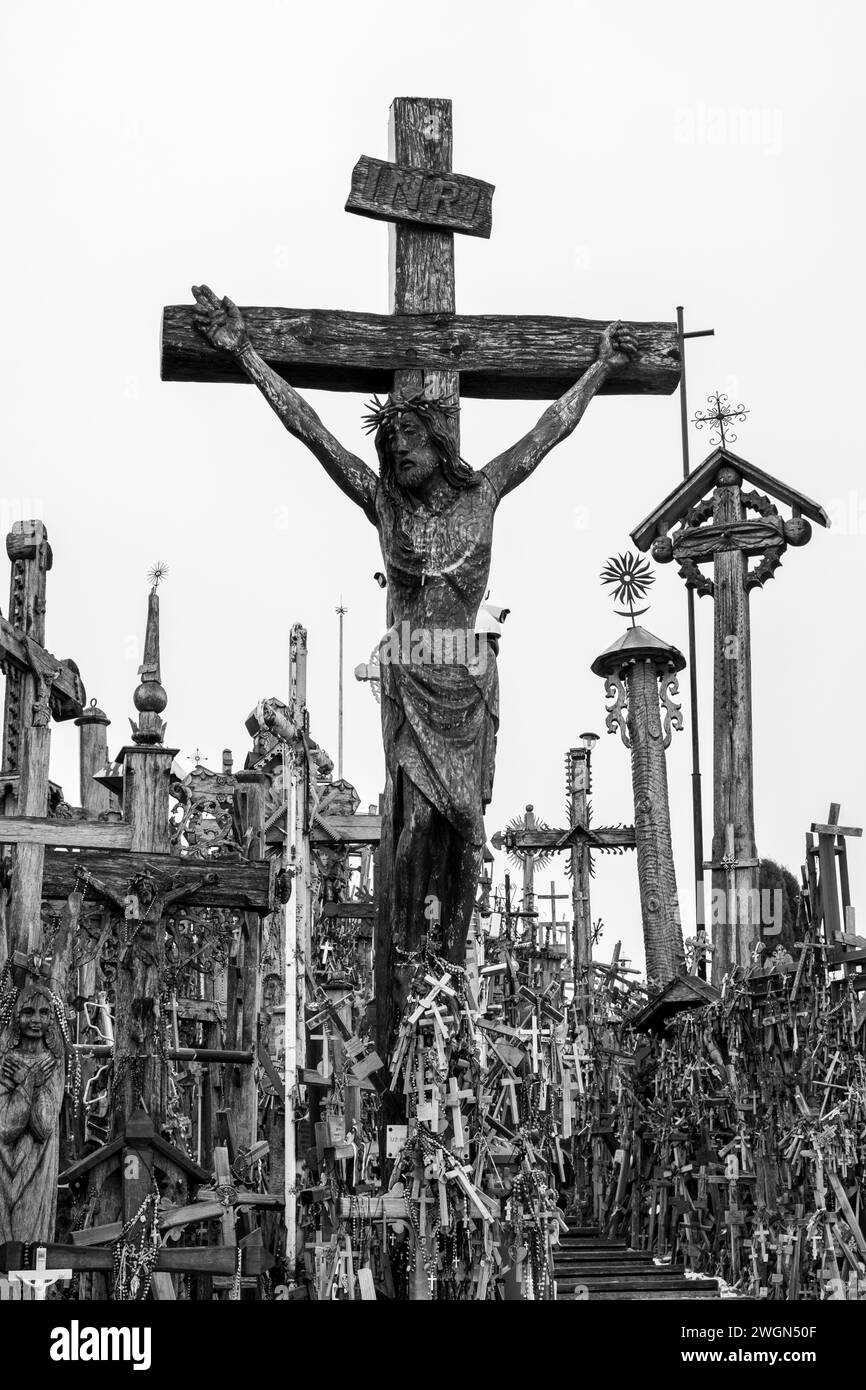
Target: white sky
643, 156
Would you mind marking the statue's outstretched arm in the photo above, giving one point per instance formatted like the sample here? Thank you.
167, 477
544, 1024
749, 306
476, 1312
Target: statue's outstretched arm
514, 466
221, 322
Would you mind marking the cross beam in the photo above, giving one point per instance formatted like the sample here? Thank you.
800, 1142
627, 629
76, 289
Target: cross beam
599, 837
498, 356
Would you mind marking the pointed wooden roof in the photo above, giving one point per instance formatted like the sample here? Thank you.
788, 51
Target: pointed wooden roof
682, 992
703, 480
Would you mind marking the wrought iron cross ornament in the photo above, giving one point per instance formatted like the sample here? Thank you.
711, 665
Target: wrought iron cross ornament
719, 417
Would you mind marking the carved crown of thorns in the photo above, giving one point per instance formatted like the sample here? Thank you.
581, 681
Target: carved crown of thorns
378, 413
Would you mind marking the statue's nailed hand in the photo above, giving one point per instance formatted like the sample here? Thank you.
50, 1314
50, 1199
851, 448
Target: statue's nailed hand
219, 320
618, 345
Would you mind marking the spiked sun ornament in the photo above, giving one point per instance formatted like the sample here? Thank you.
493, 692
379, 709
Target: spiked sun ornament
632, 578
518, 857
718, 418
156, 574
378, 413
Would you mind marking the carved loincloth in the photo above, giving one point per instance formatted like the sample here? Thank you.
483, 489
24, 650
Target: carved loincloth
439, 726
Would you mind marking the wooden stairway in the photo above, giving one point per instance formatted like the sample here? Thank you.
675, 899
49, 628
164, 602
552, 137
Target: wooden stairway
608, 1269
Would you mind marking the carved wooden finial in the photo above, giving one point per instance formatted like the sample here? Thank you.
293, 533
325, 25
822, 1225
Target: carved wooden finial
150, 697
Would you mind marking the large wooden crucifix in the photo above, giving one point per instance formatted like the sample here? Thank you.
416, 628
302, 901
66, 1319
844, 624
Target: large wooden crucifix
711, 511
433, 513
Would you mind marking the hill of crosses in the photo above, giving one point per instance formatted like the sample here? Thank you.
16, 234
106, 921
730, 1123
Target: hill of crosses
258, 1042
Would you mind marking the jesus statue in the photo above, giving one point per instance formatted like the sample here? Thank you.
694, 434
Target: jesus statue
440, 702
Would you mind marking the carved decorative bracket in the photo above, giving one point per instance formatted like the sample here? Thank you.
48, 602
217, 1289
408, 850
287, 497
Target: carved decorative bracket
673, 718
617, 711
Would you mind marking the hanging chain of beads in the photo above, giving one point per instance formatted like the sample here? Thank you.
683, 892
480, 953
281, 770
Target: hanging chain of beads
73, 1062
8, 995
236, 1286
134, 1261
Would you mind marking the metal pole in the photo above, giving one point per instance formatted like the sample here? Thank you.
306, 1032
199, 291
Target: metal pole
697, 808
340, 611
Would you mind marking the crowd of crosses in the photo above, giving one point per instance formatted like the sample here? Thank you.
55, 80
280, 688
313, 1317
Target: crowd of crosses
257, 1042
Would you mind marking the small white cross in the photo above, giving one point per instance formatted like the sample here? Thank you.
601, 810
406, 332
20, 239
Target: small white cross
40, 1278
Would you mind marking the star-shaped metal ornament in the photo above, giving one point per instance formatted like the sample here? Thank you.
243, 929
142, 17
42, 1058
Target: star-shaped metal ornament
630, 577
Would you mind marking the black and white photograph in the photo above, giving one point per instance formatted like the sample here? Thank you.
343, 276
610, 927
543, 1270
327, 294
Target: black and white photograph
432, 777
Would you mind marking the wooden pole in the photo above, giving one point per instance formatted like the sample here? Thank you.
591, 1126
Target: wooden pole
733, 801
298, 920
579, 774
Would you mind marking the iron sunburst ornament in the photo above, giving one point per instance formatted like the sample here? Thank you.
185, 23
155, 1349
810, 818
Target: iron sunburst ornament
156, 574
517, 856
631, 577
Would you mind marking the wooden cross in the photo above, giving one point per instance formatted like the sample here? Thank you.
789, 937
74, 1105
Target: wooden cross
714, 494
37, 685
552, 897
453, 1101
424, 342
832, 851
25, 661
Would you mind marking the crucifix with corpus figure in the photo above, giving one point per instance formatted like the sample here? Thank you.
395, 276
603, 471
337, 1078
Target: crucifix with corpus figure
434, 514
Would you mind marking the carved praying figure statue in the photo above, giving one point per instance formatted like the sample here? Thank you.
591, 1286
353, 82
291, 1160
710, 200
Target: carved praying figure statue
31, 1094
440, 705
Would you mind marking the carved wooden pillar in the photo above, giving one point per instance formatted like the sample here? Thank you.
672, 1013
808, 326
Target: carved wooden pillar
641, 671
140, 1071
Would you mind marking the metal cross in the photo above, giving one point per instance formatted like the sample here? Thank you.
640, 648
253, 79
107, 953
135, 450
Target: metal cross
719, 416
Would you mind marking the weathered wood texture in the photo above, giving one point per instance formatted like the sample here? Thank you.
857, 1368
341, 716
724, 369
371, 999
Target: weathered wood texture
733, 798
67, 687
239, 883
396, 193
659, 905
26, 900
499, 356
92, 758
146, 777
71, 834
28, 549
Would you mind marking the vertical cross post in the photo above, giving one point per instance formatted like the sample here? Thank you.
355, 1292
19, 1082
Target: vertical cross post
420, 136
578, 786
733, 797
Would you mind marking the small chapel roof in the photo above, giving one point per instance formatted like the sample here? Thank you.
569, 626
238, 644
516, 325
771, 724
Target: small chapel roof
702, 481
682, 992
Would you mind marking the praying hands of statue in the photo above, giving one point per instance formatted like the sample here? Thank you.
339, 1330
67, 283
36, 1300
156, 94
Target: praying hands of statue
16, 1073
